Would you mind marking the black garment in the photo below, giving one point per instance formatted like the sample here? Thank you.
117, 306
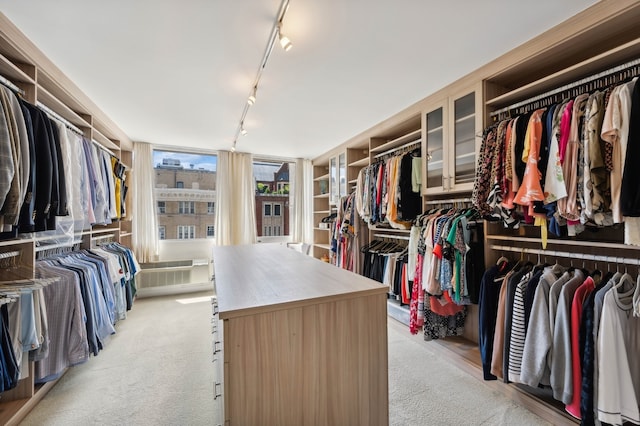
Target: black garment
587, 355
43, 168
10, 369
25, 222
529, 295
521, 131
62, 208
410, 203
54, 199
487, 312
630, 193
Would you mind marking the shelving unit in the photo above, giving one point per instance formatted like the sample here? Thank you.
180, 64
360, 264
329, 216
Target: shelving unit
42, 83
603, 36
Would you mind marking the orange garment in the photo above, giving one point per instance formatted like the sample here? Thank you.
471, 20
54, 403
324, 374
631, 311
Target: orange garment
530, 190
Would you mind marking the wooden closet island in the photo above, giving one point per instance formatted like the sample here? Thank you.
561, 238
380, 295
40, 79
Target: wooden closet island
304, 342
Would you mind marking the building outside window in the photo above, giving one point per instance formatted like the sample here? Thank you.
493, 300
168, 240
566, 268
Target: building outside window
186, 207
272, 198
210, 231
185, 187
186, 232
162, 232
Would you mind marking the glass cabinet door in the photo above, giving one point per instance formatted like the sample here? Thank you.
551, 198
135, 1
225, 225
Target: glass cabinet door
464, 139
342, 173
333, 181
434, 148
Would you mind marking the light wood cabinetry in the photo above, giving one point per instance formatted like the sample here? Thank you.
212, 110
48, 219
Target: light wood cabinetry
42, 83
304, 342
450, 129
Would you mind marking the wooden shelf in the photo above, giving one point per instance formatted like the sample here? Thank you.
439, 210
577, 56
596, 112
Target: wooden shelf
323, 246
50, 101
321, 195
415, 135
105, 141
13, 73
626, 52
360, 163
323, 177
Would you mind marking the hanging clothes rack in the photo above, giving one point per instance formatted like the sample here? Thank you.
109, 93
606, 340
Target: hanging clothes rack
567, 87
58, 117
391, 236
103, 239
578, 256
448, 201
399, 148
4, 81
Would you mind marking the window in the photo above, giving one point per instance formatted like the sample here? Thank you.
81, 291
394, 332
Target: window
162, 232
210, 231
186, 207
186, 232
272, 180
185, 193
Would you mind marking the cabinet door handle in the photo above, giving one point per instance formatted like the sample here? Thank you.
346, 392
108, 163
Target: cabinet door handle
217, 347
217, 394
215, 309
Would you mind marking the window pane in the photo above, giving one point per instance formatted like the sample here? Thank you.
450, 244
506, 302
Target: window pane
185, 184
272, 197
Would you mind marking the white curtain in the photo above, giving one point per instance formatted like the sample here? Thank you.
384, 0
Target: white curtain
145, 226
302, 202
235, 199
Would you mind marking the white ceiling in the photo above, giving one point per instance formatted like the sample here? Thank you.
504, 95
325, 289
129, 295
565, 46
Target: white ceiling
178, 72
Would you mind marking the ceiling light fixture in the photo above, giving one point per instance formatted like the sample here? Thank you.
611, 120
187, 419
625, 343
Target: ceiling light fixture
284, 40
252, 97
276, 35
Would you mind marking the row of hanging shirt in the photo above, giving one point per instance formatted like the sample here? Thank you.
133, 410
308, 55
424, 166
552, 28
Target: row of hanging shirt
386, 262
48, 171
345, 230
443, 269
66, 313
575, 332
388, 191
571, 164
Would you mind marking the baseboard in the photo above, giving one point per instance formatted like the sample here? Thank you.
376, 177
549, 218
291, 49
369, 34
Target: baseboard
174, 289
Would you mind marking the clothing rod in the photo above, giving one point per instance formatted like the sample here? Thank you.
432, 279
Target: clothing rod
395, 237
448, 201
417, 141
568, 86
102, 237
578, 256
104, 148
10, 254
58, 117
54, 246
10, 85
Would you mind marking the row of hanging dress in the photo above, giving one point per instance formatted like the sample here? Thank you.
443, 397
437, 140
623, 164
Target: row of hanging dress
388, 191
571, 331
47, 171
386, 262
77, 311
445, 256
570, 165
346, 236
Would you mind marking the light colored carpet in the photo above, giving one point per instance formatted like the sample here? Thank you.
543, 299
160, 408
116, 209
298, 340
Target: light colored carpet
157, 370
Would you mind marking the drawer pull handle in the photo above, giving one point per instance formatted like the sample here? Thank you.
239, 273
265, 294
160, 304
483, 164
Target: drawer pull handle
216, 349
217, 394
